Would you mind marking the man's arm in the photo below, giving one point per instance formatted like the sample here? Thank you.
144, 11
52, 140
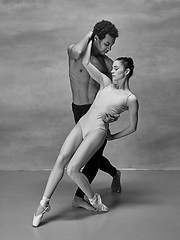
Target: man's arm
75, 51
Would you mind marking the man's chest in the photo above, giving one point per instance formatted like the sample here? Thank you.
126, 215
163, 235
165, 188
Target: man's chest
100, 64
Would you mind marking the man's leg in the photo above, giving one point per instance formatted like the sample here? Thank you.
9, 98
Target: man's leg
106, 166
91, 168
90, 171
100, 162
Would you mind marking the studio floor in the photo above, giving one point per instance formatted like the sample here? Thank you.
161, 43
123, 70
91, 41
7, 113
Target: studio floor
147, 209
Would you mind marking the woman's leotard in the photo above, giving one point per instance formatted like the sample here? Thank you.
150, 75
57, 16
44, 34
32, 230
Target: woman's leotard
107, 101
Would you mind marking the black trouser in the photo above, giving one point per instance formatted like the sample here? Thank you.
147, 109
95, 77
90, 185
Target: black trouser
98, 161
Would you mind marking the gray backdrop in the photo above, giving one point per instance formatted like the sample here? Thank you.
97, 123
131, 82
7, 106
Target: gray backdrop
35, 96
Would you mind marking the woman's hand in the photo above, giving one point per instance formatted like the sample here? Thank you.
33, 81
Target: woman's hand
90, 34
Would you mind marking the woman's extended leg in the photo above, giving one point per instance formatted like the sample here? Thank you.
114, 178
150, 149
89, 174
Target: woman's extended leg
86, 149
70, 145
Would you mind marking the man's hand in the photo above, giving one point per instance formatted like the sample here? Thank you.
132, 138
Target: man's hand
109, 136
111, 118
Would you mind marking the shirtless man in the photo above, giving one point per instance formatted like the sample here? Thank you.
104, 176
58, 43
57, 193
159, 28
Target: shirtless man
84, 90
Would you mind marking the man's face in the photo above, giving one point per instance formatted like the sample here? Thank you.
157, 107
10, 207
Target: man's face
104, 45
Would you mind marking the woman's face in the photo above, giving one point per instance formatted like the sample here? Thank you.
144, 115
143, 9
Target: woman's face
118, 72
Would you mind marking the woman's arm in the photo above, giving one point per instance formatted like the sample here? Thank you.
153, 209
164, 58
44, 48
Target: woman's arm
75, 51
133, 113
99, 77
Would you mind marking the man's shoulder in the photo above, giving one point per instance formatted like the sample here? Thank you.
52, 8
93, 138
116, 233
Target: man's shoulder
73, 52
69, 49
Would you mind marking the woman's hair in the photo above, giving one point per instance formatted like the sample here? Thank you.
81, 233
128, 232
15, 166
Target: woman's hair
104, 27
127, 62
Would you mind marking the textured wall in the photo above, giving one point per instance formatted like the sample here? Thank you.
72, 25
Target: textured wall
35, 97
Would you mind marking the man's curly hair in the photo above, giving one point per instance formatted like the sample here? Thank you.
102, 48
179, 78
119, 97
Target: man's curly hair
105, 27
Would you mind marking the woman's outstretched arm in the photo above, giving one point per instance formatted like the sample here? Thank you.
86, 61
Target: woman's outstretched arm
99, 77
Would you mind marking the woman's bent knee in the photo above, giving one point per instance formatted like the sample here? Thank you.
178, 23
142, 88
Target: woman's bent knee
72, 172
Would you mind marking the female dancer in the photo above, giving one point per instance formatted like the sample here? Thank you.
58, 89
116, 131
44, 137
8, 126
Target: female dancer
90, 132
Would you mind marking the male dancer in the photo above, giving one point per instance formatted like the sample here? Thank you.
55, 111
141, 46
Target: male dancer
84, 90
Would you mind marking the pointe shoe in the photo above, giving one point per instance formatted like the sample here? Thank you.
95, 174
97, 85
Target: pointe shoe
96, 202
46, 208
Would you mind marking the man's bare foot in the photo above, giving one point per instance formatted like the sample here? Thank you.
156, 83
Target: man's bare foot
116, 182
81, 203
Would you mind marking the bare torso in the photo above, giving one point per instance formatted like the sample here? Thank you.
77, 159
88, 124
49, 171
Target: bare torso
84, 88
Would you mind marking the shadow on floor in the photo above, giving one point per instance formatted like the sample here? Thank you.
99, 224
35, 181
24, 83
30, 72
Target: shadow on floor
128, 197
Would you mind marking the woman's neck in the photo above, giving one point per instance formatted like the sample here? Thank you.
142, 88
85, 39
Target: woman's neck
123, 85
